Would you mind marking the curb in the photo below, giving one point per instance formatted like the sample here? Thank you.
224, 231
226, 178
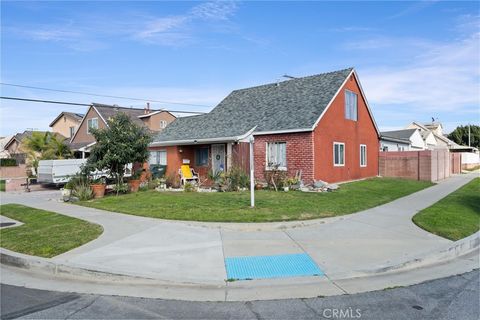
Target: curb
264, 289
450, 252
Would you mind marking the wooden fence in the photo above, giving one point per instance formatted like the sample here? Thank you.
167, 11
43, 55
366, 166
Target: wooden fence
429, 165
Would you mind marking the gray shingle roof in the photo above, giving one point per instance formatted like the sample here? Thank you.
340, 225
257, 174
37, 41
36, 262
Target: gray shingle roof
108, 111
404, 134
294, 104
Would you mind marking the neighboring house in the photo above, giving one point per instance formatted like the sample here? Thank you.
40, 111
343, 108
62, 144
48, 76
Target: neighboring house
400, 140
66, 123
433, 135
3, 152
319, 125
15, 148
98, 114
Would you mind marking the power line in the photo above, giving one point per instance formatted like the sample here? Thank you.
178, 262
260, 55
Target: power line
102, 95
88, 105
46, 101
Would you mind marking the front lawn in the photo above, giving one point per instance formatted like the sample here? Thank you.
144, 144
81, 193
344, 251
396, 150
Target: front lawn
454, 217
44, 233
270, 205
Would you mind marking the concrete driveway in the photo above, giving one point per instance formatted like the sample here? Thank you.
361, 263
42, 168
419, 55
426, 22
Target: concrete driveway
194, 253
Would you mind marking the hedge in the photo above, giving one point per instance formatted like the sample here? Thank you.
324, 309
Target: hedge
8, 162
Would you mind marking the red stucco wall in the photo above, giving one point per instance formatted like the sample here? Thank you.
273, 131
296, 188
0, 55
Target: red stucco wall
333, 127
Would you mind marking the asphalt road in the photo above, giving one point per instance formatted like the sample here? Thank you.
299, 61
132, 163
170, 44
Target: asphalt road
455, 297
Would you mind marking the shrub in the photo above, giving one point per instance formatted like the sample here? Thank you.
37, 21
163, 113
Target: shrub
80, 186
189, 187
238, 179
275, 178
120, 188
172, 180
8, 162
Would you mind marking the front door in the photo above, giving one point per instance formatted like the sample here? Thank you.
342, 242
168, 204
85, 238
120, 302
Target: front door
218, 158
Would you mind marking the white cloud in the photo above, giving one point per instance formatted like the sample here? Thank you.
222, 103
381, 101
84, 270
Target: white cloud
216, 10
161, 25
445, 77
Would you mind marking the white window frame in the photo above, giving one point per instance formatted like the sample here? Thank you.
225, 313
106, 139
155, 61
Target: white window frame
363, 165
348, 111
157, 157
88, 124
267, 167
72, 131
163, 124
339, 144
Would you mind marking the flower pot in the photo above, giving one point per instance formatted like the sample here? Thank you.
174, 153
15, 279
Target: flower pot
98, 190
286, 189
134, 185
258, 186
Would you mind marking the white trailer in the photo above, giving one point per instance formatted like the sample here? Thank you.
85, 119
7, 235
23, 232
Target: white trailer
58, 171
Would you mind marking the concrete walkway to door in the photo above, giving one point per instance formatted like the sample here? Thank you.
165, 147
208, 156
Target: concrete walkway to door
179, 252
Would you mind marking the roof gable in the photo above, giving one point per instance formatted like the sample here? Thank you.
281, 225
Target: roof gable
292, 105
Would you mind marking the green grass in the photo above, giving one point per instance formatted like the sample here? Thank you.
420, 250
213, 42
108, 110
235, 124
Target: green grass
454, 217
44, 233
2, 185
270, 205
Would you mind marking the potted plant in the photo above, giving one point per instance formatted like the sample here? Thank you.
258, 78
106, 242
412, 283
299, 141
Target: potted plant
134, 181
98, 187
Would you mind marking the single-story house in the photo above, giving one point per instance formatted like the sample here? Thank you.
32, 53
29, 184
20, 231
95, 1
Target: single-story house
98, 114
319, 125
401, 140
66, 123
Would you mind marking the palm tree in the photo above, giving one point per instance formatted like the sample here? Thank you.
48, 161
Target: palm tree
45, 146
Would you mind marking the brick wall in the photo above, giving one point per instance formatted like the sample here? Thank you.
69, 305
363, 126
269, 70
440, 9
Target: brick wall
428, 165
14, 177
299, 154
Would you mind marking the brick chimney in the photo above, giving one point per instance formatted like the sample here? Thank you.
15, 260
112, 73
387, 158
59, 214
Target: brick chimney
147, 108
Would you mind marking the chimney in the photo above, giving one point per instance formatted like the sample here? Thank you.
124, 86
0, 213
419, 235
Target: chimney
147, 108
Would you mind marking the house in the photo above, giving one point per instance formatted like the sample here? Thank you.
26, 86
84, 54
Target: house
433, 135
401, 140
66, 123
318, 125
98, 114
3, 152
15, 148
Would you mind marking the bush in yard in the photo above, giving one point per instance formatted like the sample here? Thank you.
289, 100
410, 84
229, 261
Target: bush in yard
8, 162
275, 178
80, 186
121, 143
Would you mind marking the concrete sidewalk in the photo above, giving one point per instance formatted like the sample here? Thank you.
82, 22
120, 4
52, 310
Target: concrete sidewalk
193, 253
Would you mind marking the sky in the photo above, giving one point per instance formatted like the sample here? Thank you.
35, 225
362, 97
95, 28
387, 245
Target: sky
415, 60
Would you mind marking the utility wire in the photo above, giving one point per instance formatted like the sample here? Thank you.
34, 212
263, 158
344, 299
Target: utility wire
102, 95
88, 105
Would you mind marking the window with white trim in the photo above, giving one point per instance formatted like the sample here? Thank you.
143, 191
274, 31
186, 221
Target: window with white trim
72, 131
92, 124
277, 155
338, 154
163, 124
158, 157
363, 155
351, 109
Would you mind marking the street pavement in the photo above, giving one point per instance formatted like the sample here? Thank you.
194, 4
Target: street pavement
455, 297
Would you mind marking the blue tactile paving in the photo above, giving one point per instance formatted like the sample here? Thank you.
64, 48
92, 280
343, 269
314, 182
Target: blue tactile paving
277, 266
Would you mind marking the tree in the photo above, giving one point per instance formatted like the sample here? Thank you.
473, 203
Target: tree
460, 135
121, 143
45, 146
